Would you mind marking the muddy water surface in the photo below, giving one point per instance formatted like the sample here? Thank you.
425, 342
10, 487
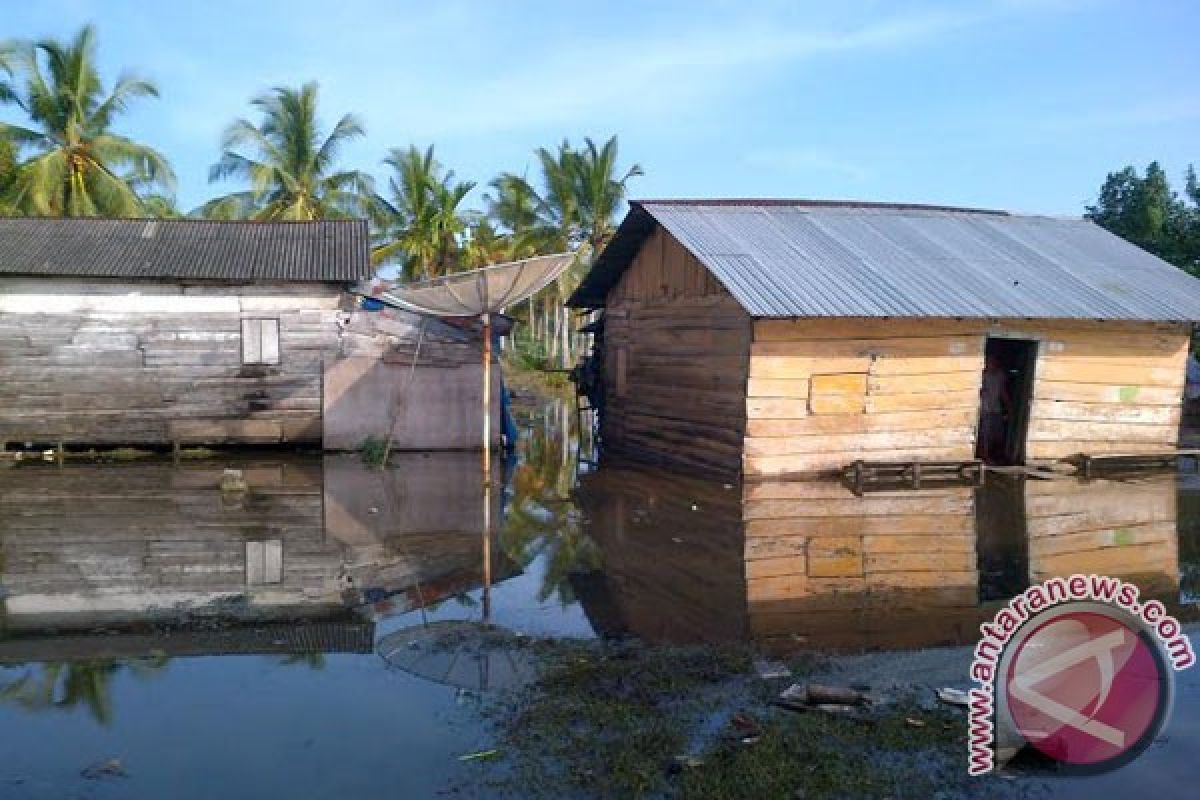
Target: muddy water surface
227, 641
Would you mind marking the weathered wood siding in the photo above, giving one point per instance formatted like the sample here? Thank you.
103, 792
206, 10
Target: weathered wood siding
676, 351
843, 570
106, 362
822, 393
85, 544
1123, 529
671, 550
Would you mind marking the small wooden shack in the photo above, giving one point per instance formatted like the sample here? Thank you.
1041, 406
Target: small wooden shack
777, 337
154, 332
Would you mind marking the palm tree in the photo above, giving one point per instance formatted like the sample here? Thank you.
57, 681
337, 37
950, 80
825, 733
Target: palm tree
598, 191
288, 162
8, 176
581, 192
74, 165
420, 223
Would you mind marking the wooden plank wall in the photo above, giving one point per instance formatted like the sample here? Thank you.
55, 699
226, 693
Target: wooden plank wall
896, 567
823, 393
107, 362
676, 352
90, 542
1122, 529
671, 553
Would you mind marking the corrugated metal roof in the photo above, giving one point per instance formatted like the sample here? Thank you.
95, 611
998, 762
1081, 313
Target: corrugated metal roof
326, 250
826, 259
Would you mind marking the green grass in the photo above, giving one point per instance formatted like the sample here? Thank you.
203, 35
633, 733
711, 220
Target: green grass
612, 720
374, 451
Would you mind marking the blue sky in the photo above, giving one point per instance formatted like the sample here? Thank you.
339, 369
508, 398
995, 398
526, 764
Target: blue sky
1018, 104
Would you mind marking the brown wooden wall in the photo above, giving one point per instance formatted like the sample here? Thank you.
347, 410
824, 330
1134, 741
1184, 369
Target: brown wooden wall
822, 393
676, 350
845, 570
107, 362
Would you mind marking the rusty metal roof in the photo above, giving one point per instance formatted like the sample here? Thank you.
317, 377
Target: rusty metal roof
325, 250
792, 258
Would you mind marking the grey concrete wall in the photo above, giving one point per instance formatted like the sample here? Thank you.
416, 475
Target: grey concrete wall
438, 408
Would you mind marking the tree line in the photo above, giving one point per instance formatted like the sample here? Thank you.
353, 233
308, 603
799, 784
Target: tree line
1145, 210
69, 160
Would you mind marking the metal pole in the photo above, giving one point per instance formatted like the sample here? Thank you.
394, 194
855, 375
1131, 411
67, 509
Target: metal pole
487, 398
487, 552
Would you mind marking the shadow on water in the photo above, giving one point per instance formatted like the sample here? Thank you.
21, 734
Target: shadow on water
149, 607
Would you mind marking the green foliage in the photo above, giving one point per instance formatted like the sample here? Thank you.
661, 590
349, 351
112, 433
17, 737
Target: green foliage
69, 161
289, 162
374, 451
420, 222
1145, 210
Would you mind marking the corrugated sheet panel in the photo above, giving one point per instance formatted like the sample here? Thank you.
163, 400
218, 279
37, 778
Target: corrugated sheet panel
800, 259
326, 250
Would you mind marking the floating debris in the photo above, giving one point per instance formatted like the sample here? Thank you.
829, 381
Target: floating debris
112, 768
771, 670
955, 697
479, 756
799, 697
746, 728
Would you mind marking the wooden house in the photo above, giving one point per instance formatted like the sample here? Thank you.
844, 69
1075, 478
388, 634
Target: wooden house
181, 331
777, 337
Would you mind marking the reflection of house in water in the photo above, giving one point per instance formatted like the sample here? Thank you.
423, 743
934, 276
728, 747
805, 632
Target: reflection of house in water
125, 545
809, 562
1123, 529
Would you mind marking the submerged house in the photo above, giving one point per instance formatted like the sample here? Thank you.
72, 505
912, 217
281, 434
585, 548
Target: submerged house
181, 331
779, 337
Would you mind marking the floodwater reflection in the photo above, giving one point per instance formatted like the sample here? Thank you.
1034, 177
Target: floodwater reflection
134, 597
802, 563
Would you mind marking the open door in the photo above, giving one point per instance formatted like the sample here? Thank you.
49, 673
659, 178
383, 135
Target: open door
1005, 397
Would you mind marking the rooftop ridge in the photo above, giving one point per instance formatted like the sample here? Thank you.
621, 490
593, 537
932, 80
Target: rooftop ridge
809, 203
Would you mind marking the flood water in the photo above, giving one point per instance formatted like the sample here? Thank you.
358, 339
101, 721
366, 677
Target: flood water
230, 642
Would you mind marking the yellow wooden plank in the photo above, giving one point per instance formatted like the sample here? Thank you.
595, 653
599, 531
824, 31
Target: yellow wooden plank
779, 408
1105, 412
822, 443
933, 401
1109, 374
837, 403
810, 463
835, 557
762, 387
910, 384
845, 383
861, 345
803, 367
776, 566
864, 423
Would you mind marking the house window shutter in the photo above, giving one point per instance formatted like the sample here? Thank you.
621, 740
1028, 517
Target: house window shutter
260, 341
270, 341
264, 562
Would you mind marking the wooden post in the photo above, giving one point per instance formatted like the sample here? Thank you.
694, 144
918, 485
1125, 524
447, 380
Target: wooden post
487, 398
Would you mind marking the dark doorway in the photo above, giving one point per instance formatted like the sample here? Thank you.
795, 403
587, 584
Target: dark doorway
1004, 400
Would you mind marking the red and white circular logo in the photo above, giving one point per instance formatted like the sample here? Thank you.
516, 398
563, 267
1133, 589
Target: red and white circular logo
1087, 687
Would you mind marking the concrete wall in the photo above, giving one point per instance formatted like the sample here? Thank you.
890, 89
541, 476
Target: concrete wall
371, 384
429, 408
